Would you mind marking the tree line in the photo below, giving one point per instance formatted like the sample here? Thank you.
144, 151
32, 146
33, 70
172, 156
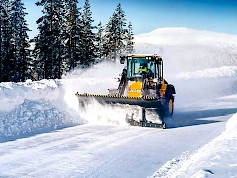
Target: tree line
67, 39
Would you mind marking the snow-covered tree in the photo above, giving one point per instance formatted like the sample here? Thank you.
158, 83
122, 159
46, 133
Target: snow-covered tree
72, 35
115, 34
20, 42
1, 43
129, 39
99, 41
49, 43
87, 37
6, 46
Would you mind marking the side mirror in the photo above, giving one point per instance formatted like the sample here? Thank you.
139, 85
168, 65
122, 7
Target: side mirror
122, 59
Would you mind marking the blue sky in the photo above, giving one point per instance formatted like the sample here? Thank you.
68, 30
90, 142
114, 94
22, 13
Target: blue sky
147, 15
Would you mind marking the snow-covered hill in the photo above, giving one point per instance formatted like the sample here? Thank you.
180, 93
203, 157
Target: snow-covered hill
185, 36
186, 49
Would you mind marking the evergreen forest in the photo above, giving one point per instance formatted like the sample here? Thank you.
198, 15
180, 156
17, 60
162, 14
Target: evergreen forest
67, 39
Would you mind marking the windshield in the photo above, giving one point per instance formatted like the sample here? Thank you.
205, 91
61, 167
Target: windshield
136, 65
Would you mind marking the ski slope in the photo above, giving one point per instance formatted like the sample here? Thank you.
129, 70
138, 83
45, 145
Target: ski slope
44, 134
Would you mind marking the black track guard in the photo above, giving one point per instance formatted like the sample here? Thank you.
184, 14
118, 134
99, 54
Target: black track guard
144, 123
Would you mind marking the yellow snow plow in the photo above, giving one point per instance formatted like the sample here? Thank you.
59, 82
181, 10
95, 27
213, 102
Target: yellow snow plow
141, 84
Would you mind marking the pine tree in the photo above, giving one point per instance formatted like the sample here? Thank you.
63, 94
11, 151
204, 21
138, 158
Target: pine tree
20, 42
72, 35
1, 43
109, 41
100, 41
129, 39
6, 47
121, 30
87, 37
49, 43
115, 34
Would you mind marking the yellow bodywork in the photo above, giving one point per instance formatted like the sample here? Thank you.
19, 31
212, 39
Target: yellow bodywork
144, 55
135, 89
163, 89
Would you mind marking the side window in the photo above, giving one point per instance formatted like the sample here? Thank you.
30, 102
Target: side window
129, 74
151, 66
156, 71
136, 68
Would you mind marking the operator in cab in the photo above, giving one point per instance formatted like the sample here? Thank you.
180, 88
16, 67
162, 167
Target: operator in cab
143, 70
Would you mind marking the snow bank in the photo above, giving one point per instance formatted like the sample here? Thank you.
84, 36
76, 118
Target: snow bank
41, 106
205, 85
221, 72
31, 107
217, 158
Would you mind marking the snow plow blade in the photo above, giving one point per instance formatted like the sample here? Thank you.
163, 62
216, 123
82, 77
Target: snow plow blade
145, 102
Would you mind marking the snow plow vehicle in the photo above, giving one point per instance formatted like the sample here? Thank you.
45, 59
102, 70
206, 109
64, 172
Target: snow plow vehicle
141, 85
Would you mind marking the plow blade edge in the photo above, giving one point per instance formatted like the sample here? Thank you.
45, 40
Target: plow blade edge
146, 102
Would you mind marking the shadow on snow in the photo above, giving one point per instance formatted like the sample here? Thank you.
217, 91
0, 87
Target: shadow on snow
191, 118
34, 133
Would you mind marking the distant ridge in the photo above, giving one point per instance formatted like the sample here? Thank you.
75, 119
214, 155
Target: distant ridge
185, 36
185, 49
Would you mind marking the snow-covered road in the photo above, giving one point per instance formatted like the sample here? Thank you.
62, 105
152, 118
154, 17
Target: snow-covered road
112, 151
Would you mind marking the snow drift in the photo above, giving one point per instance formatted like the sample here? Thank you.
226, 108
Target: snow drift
46, 105
33, 107
216, 158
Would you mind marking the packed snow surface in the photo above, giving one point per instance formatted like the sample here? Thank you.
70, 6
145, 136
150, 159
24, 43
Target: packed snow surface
43, 132
216, 158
